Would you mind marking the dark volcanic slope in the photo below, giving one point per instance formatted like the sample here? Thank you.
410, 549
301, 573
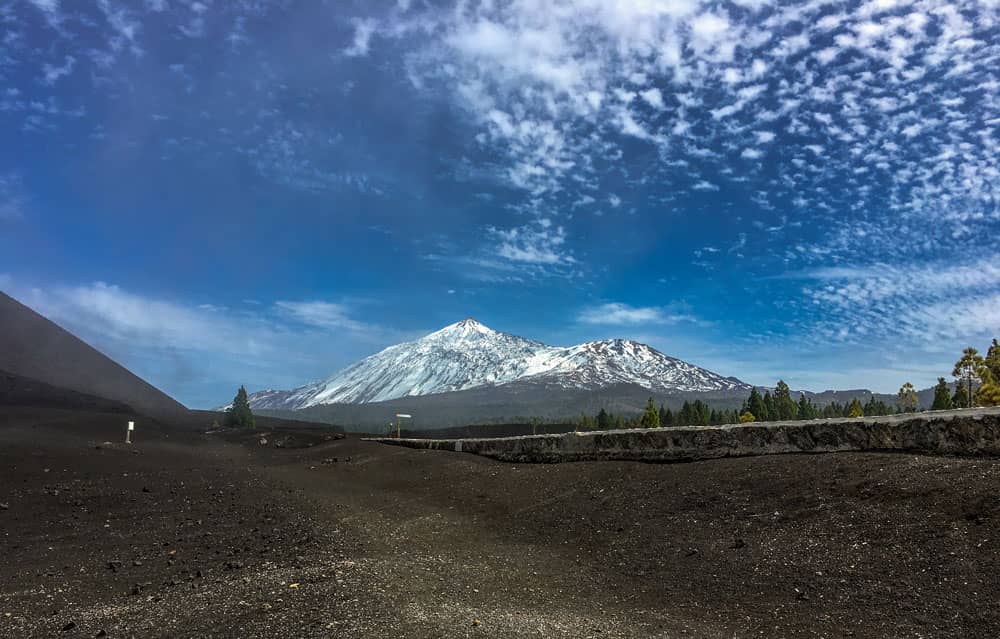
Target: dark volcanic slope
34, 347
17, 390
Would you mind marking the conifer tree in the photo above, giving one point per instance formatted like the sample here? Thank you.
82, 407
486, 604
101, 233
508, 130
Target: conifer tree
239, 413
855, 409
970, 368
668, 418
989, 393
769, 407
961, 397
755, 405
908, 400
650, 418
783, 402
992, 360
942, 396
806, 408
603, 420
747, 417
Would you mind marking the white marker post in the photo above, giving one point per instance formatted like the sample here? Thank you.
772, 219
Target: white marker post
128, 432
400, 416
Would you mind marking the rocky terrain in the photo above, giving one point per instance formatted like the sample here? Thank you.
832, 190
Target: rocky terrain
955, 432
228, 534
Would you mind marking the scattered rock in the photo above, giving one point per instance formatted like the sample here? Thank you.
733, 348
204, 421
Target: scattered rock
4, 506
69, 626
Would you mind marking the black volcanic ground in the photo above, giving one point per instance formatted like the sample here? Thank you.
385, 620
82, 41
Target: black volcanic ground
188, 534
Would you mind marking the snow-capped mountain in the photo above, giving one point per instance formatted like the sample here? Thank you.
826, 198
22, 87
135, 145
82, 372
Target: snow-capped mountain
469, 355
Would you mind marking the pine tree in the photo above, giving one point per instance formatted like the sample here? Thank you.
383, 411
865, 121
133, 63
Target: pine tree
961, 397
239, 413
747, 417
701, 414
855, 409
989, 393
786, 407
663, 416
769, 407
668, 419
603, 420
685, 417
908, 400
992, 360
650, 418
755, 405
942, 396
806, 408
970, 368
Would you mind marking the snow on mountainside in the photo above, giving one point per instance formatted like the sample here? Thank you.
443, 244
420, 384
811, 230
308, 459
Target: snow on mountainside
469, 355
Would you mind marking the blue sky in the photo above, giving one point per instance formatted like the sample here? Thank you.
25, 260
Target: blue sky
260, 192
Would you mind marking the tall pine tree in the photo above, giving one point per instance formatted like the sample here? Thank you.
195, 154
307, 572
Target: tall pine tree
855, 409
650, 418
755, 405
970, 368
992, 360
239, 414
942, 396
769, 408
603, 420
783, 402
907, 398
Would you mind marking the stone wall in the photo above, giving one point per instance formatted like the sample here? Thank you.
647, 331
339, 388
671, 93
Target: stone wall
961, 432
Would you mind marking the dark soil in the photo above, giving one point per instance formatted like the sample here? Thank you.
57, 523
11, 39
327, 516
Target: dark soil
196, 535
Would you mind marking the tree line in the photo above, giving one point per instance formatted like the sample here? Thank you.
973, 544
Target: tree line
977, 384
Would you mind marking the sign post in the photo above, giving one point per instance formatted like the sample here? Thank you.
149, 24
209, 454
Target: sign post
400, 416
128, 432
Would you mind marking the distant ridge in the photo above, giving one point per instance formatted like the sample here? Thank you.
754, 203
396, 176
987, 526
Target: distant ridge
35, 347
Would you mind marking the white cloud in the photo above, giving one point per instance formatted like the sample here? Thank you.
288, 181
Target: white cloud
617, 314
653, 97
540, 243
48, 6
927, 305
363, 32
52, 73
320, 314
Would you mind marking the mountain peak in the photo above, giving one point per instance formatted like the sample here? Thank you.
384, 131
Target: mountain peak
467, 355
468, 326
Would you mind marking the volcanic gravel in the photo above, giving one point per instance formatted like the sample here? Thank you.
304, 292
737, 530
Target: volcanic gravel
227, 534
